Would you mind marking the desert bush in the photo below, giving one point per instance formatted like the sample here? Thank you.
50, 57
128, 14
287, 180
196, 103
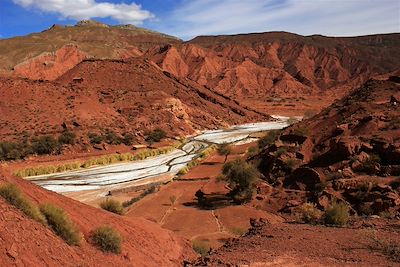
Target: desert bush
13, 151
206, 152
268, 139
45, 145
238, 231
13, 195
61, 224
337, 214
201, 247
95, 138
113, 206
67, 138
390, 248
241, 177
224, 150
155, 136
107, 239
201, 199
128, 139
172, 199
252, 151
368, 165
291, 163
183, 171
301, 131
309, 213
112, 138
148, 191
281, 151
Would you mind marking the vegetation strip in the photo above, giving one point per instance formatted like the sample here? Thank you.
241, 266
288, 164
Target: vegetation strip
100, 161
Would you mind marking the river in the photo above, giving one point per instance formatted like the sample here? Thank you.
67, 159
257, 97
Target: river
117, 176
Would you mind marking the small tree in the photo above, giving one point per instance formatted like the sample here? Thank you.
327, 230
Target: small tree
241, 177
172, 199
201, 199
224, 150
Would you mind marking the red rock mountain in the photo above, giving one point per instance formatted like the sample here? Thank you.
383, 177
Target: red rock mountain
266, 66
123, 95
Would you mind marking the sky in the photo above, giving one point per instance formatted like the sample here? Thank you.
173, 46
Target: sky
189, 18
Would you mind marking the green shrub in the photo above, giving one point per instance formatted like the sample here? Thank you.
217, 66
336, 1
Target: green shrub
155, 136
128, 139
13, 195
113, 206
268, 139
368, 165
201, 247
61, 224
301, 131
291, 163
107, 239
148, 191
241, 177
112, 138
45, 145
309, 213
252, 151
224, 150
337, 214
13, 151
281, 151
95, 138
67, 138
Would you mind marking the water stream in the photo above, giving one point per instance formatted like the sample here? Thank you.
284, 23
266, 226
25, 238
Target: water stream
121, 174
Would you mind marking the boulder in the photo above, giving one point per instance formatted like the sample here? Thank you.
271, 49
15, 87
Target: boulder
293, 138
303, 178
392, 155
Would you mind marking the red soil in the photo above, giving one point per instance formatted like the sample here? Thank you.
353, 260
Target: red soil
29, 243
306, 245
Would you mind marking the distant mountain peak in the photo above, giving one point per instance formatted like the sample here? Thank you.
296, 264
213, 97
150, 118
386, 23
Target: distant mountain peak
90, 22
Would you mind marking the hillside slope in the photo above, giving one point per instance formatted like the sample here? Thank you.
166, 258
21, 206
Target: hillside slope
28, 243
132, 96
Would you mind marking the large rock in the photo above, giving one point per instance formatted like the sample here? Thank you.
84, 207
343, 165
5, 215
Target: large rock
303, 178
293, 138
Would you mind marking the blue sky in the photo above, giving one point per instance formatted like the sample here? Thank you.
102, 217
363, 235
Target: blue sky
189, 18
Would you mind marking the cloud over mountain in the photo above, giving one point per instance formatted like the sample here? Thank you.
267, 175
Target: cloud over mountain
86, 9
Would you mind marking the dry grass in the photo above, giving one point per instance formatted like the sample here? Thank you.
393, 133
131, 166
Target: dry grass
107, 239
201, 247
99, 161
61, 224
13, 195
113, 206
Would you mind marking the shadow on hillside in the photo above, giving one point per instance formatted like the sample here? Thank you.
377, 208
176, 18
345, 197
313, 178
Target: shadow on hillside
210, 202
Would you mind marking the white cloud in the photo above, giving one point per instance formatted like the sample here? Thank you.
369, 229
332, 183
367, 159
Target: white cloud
327, 17
86, 9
